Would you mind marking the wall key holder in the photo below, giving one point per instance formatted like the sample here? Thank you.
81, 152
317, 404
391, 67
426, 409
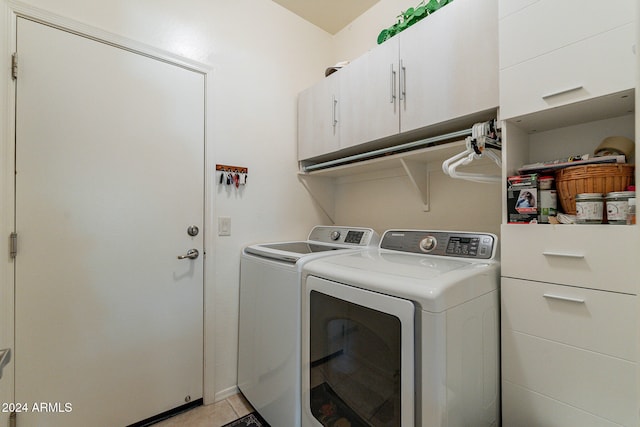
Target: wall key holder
232, 175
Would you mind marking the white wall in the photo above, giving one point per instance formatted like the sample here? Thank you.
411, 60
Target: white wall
262, 55
388, 200
361, 35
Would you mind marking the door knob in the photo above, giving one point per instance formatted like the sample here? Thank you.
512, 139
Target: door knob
191, 254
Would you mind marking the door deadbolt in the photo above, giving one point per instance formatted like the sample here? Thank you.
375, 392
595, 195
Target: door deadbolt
193, 230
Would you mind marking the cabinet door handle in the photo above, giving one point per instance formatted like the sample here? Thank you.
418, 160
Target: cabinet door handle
335, 116
393, 85
403, 81
563, 298
562, 254
562, 91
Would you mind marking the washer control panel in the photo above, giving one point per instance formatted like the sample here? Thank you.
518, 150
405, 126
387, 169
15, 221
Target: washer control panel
443, 243
355, 236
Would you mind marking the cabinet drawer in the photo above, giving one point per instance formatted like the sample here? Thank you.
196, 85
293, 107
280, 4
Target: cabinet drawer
590, 256
570, 74
522, 407
604, 322
592, 382
534, 28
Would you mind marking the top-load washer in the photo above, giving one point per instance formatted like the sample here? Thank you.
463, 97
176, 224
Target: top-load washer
403, 335
270, 307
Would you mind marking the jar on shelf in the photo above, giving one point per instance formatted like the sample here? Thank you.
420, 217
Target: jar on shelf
618, 206
631, 213
589, 208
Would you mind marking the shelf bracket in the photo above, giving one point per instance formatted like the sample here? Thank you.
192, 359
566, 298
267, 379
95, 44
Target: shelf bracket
419, 176
321, 190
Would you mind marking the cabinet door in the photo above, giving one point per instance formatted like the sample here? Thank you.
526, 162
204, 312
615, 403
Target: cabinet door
369, 96
534, 28
594, 67
449, 64
571, 315
567, 344
591, 256
318, 119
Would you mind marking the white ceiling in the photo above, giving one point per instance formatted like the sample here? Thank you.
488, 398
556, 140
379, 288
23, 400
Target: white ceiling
330, 15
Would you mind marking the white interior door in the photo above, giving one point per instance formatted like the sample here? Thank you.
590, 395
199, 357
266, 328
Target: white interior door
109, 176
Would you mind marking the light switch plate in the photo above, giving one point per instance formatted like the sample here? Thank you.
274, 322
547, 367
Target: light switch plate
224, 226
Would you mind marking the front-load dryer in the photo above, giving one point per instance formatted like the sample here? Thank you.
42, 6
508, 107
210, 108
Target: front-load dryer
269, 321
403, 335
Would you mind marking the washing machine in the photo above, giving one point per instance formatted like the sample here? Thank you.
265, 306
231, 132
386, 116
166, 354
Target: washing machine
269, 321
406, 334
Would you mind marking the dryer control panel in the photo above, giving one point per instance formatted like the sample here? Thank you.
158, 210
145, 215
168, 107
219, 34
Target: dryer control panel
443, 243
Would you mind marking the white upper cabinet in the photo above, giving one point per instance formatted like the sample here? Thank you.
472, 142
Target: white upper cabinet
448, 66
319, 119
369, 95
443, 68
554, 53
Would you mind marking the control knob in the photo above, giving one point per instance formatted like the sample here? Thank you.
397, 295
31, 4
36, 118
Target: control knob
428, 244
335, 235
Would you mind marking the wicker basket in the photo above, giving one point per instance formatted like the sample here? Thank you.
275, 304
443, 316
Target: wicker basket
601, 178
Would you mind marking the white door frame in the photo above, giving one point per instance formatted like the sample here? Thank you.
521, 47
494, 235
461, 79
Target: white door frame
9, 12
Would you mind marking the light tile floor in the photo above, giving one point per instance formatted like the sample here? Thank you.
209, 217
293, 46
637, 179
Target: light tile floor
214, 415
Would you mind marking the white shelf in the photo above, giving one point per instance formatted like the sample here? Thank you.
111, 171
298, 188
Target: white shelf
416, 164
604, 107
434, 154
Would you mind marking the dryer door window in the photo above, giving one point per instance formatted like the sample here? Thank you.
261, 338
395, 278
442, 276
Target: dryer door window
360, 358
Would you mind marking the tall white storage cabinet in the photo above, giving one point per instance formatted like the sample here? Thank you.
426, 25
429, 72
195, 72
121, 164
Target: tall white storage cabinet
569, 292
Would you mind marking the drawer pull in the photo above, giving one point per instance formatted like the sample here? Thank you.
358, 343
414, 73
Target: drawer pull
563, 254
561, 298
560, 92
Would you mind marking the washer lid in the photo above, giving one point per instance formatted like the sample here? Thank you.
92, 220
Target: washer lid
291, 252
301, 247
322, 241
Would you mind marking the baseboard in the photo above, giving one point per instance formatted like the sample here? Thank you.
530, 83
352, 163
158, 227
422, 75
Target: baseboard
168, 414
223, 394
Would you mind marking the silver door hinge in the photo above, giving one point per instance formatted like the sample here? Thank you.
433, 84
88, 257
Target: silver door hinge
14, 66
13, 245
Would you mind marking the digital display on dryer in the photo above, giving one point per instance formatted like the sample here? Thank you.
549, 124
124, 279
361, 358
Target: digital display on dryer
463, 246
